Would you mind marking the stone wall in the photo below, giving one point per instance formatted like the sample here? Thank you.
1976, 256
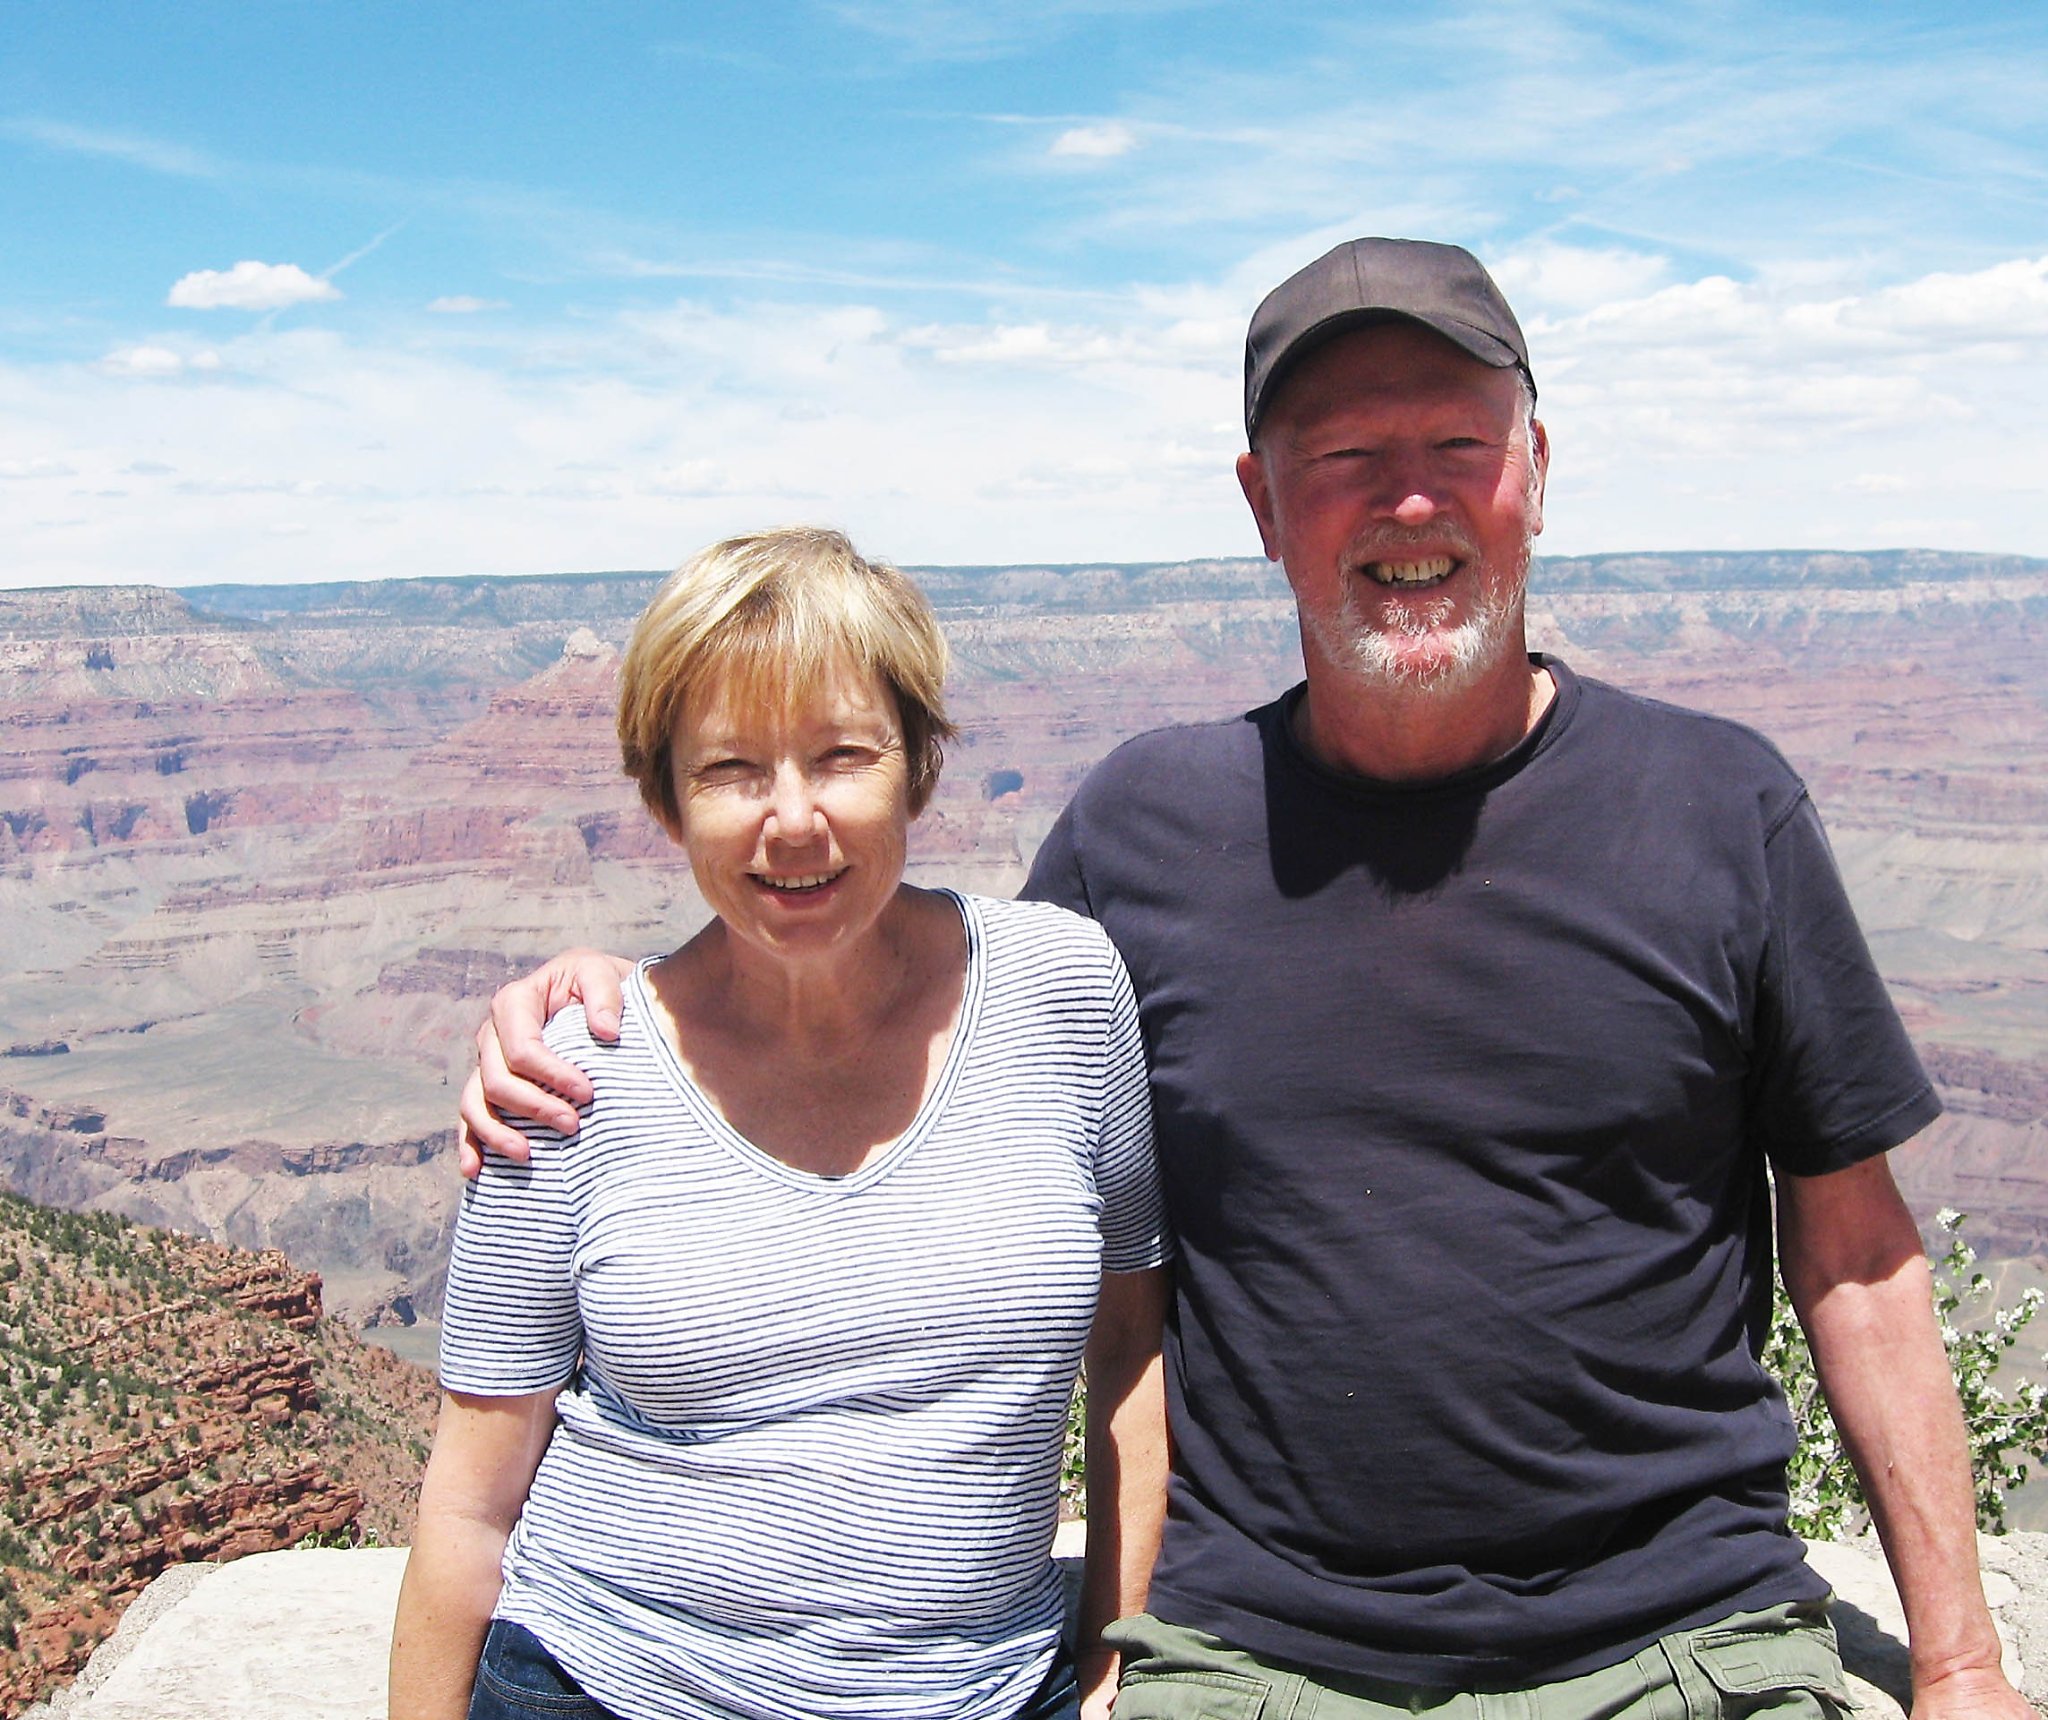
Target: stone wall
302, 1636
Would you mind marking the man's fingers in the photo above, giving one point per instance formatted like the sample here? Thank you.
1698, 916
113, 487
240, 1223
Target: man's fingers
515, 1059
545, 1090
483, 1132
596, 980
469, 1152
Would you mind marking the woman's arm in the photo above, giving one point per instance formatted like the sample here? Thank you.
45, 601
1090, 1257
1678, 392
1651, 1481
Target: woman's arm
1126, 1468
486, 1451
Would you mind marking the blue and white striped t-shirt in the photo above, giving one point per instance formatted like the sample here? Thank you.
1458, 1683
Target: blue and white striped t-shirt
807, 1465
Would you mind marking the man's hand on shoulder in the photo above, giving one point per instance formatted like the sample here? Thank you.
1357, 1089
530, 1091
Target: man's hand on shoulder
516, 1074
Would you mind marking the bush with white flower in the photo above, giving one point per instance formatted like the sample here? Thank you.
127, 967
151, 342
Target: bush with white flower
2007, 1429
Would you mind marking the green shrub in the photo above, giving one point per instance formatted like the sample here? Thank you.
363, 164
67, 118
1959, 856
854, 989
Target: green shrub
2006, 1430
1074, 1456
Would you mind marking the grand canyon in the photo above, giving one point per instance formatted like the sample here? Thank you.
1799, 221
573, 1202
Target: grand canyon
266, 850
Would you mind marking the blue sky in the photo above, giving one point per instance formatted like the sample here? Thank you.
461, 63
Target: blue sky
317, 290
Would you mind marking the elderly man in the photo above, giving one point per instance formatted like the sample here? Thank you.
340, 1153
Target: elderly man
1485, 1007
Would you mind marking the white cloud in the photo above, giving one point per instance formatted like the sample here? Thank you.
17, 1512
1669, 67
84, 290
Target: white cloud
1549, 277
250, 286
1780, 411
1711, 412
143, 361
157, 361
1095, 142
462, 305
40, 467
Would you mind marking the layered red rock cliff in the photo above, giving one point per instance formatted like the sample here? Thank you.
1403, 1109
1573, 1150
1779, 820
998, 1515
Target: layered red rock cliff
169, 1400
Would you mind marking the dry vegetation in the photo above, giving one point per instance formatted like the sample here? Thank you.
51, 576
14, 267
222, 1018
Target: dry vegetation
164, 1400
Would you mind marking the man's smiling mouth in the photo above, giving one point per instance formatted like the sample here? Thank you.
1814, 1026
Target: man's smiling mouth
1426, 571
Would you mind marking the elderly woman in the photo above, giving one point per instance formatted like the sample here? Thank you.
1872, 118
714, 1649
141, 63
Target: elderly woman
756, 1385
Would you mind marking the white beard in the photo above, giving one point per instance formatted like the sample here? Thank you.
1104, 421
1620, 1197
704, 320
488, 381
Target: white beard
1453, 658
1456, 657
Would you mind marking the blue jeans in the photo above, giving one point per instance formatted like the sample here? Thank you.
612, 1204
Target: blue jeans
1059, 1697
518, 1679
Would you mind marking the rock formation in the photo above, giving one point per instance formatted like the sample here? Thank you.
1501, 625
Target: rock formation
167, 1401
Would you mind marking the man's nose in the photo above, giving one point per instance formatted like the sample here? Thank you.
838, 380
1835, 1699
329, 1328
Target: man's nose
1404, 490
1416, 508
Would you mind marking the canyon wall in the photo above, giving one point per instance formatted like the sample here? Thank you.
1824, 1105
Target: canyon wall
166, 1401
265, 851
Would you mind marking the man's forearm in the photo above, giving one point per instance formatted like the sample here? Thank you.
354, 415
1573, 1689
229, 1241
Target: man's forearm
1859, 1282
1881, 1363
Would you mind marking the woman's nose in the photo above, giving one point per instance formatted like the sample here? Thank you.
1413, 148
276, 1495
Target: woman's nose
793, 805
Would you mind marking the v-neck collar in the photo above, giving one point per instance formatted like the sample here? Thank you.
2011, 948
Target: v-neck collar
714, 1122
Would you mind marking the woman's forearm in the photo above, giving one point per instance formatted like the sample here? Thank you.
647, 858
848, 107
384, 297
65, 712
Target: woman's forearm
486, 1452
444, 1609
1127, 1460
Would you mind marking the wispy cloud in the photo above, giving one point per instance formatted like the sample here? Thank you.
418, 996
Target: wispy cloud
250, 286
360, 252
152, 153
777, 272
462, 305
986, 29
1730, 145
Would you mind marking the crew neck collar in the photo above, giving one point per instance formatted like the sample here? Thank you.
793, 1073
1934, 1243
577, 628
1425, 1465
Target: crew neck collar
1277, 724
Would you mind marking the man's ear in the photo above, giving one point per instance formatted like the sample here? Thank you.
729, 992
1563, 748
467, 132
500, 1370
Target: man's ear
1251, 478
1539, 463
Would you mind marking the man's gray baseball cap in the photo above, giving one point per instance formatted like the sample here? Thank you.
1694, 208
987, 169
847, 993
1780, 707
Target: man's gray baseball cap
1365, 281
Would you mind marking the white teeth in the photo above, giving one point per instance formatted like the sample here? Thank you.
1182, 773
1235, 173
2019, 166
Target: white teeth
810, 882
1410, 572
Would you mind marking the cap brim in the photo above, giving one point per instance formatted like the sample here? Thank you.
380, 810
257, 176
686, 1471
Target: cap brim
1488, 348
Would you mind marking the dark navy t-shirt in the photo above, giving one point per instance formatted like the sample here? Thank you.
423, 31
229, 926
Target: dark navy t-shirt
1465, 1094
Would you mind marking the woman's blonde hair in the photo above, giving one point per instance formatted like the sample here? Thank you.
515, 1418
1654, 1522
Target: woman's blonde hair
768, 619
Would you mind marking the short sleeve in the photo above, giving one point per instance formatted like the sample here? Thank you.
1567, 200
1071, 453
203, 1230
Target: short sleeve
510, 1324
1056, 871
1126, 1166
1835, 1079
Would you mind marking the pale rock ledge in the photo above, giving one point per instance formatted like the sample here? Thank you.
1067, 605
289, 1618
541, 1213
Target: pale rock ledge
302, 1635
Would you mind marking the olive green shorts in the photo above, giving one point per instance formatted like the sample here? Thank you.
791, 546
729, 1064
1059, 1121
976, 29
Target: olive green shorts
1781, 1662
